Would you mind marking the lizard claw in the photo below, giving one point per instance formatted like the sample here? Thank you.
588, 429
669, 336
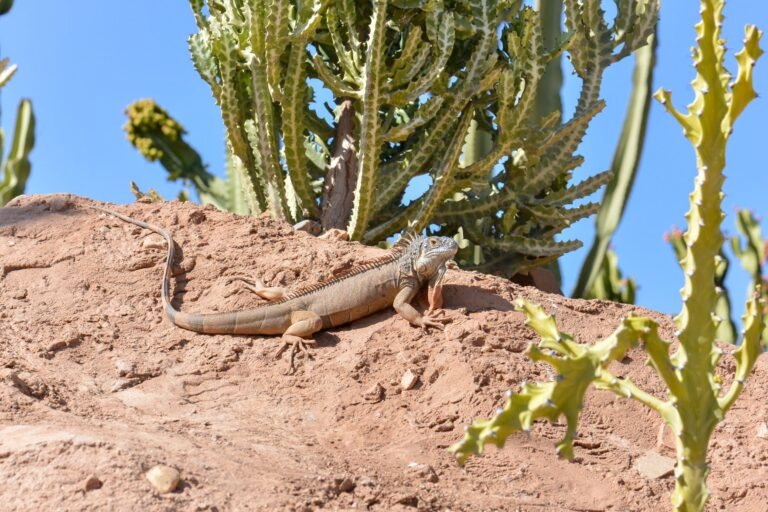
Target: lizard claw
431, 322
297, 345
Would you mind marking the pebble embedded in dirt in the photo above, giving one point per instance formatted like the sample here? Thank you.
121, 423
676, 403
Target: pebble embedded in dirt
335, 234
309, 226
164, 478
153, 242
91, 483
124, 368
409, 380
345, 484
422, 471
121, 384
652, 465
666, 441
374, 393
762, 431
19, 294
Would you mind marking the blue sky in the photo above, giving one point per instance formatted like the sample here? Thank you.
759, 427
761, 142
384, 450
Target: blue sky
83, 62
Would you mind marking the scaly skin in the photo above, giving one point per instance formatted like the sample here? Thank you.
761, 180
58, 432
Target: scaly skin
391, 280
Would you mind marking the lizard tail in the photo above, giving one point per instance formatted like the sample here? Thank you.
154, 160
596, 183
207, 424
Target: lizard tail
176, 316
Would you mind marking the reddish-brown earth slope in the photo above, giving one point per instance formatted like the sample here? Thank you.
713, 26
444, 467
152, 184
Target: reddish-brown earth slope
94, 381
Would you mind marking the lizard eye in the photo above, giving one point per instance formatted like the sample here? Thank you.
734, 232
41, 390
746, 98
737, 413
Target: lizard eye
432, 242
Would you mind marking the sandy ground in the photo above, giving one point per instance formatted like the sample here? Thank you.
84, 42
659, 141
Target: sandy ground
94, 381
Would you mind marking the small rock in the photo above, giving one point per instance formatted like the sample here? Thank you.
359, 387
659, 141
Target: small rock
124, 368
665, 440
153, 242
121, 384
345, 484
374, 394
335, 234
409, 380
762, 431
60, 202
164, 478
308, 226
408, 500
653, 466
196, 217
422, 471
19, 294
92, 483
461, 330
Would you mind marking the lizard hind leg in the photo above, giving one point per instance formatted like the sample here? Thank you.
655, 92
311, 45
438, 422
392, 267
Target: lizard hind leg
298, 335
257, 286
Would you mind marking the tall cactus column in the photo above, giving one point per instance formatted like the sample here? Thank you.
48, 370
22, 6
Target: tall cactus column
707, 125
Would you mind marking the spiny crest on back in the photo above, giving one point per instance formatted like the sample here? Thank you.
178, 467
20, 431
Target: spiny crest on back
400, 248
405, 242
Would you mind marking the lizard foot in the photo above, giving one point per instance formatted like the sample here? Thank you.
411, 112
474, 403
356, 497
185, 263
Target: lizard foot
297, 345
433, 322
256, 285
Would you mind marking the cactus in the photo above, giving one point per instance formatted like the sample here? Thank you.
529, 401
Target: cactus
445, 90
753, 255
609, 283
626, 160
159, 137
696, 404
755, 250
726, 331
17, 167
5, 6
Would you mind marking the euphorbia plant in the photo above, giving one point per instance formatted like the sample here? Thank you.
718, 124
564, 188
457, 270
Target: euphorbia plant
696, 403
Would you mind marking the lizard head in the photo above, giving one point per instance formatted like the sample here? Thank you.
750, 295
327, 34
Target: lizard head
434, 252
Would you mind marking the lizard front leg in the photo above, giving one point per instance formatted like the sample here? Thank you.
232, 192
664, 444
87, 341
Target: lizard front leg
299, 335
435, 290
402, 305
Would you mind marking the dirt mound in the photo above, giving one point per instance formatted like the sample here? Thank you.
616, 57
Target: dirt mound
94, 381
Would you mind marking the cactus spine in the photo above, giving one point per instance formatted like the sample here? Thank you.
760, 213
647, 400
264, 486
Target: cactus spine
696, 404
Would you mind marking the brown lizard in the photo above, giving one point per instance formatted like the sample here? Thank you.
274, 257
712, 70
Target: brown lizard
393, 279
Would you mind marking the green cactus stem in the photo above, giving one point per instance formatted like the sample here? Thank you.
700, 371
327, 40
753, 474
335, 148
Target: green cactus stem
17, 165
7, 70
696, 402
626, 160
726, 331
610, 284
752, 255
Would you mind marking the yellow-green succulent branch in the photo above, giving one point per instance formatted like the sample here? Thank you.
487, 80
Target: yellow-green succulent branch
160, 137
696, 402
576, 366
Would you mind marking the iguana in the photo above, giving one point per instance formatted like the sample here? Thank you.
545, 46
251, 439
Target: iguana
393, 279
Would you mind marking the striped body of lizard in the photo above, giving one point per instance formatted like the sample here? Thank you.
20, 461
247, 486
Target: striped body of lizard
390, 280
